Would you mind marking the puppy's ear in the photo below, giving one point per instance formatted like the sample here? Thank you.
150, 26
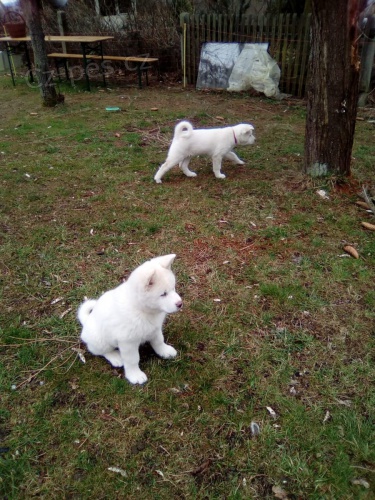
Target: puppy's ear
166, 261
150, 280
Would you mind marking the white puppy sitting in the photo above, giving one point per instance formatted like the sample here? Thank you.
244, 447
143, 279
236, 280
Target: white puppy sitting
115, 325
215, 142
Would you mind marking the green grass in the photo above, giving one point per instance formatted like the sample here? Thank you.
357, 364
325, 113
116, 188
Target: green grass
274, 316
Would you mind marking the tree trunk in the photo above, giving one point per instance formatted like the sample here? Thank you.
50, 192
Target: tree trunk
332, 93
32, 13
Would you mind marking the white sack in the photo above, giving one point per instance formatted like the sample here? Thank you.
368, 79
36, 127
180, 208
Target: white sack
255, 68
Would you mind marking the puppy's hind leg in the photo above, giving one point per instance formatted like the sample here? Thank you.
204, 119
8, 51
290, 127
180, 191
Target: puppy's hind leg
216, 165
234, 158
184, 166
163, 169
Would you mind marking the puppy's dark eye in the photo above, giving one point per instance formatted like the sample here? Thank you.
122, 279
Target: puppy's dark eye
164, 294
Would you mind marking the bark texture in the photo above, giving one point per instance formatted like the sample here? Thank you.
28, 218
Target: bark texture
332, 94
31, 10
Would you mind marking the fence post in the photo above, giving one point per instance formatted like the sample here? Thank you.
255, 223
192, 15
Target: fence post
183, 21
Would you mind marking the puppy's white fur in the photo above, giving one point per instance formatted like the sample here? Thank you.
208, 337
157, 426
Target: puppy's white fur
115, 325
215, 142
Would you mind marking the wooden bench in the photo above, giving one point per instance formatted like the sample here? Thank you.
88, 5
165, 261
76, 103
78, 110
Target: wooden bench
142, 64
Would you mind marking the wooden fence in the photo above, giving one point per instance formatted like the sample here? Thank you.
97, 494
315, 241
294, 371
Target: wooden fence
288, 37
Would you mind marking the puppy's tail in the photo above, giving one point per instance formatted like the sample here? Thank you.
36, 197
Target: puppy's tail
183, 129
85, 310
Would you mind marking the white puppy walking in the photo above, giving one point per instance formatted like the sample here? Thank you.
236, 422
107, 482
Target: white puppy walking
115, 325
215, 142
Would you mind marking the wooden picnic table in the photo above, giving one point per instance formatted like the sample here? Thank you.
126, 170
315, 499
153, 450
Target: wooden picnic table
90, 44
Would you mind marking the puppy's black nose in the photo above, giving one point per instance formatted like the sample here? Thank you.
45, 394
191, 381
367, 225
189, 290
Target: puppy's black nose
179, 304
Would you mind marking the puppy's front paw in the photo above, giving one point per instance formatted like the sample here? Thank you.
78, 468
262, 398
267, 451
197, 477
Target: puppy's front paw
220, 176
190, 174
136, 377
114, 358
157, 180
167, 352
240, 162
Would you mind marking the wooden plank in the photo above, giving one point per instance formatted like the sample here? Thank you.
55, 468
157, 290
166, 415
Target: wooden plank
298, 56
273, 40
260, 25
305, 56
242, 29
225, 28
230, 29
194, 48
278, 39
236, 29
62, 55
266, 28
250, 30
197, 45
291, 56
284, 52
214, 28
202, 29
209, 28
189, 51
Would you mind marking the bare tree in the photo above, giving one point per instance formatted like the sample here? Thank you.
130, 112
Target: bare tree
332, 87
32, 13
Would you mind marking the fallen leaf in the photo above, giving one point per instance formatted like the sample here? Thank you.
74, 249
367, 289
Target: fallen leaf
344, 402
362, 204
79, 353
154, 109
117, 134
323, 194
64, 313
33, 114
255, 429
118, 471
55, 301
271, 412
202, 468
326, 417
105, 416
361, 482
219, 118
351, 251
367, 225
279, 492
